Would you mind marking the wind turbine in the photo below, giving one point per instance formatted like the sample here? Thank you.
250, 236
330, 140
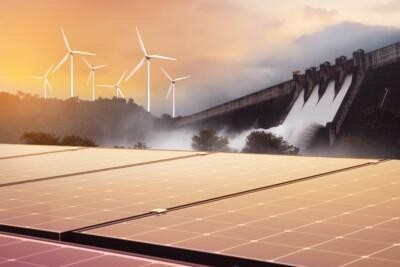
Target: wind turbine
116, 86
92, 74
46, 83
70, 54
172, 89
146, 57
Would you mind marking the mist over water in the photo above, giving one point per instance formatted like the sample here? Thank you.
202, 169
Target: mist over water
304, 119
180, 139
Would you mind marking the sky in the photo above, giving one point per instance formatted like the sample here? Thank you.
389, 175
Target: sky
229, 48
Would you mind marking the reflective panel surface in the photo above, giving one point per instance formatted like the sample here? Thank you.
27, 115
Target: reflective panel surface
25, 252
76, 161
78, 201
350, 218
15, 150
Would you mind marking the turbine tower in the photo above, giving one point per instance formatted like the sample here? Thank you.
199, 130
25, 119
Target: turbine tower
46, 83
70, 54
146, 57
92, 74
117, 86
172, 89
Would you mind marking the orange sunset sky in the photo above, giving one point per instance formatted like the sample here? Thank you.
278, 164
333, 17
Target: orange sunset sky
229, 47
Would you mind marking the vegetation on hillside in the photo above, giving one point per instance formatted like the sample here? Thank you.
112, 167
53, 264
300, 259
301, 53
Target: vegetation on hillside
267, 143
107, 122
140, 145
377, 134
208, 140
40, 138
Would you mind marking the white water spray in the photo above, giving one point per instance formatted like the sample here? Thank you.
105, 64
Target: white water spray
304, 119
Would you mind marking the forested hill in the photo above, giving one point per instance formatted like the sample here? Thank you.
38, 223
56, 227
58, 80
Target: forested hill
108, 122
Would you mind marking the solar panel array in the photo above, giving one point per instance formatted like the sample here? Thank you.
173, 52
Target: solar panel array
219, 209
351, 219
78, 201
26, 252
50, 165
9, 150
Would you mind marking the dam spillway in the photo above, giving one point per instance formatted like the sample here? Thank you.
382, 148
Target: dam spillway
305, 117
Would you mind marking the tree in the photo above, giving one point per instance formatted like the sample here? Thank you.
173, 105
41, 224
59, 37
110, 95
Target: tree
74, 140
40, 138
208, 140
267, 143
140, 145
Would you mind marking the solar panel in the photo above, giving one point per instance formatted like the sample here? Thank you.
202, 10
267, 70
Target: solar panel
65, 204
45, 166
351, 218
15, 150
18, 251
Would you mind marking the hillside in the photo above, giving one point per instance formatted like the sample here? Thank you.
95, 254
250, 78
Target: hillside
109, 122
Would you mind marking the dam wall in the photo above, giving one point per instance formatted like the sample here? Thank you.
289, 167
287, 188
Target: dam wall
282, 90
363, 63
271, 105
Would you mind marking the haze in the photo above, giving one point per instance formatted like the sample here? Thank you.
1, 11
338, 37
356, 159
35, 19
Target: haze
230, 48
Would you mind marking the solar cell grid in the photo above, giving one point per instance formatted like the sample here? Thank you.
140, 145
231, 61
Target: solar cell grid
18, 251
78, 201
73, 161
345, 219
15, 150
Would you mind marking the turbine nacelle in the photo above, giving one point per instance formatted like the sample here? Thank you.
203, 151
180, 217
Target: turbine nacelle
70, 55
116, 86
44, 78
147, 57
172, 88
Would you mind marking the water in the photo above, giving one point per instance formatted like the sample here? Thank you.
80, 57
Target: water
304, 119
340, 96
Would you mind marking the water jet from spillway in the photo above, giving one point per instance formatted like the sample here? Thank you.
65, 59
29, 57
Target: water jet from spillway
304, 118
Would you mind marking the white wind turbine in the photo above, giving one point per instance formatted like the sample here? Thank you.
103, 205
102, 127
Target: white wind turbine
117, 86
46, 83
92, 74
70, 54
172, 89
146, 57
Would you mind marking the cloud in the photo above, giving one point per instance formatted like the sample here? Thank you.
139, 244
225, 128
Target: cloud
392, 6
320, 13
344, 38
260, 72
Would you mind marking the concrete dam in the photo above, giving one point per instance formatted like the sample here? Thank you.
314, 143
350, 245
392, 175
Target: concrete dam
323, 96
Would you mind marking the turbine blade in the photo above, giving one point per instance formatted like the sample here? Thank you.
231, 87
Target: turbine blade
182, 78
105, 85
48, 71
120, 92
141, 42
166, 74
89, 77
61, 62
161, 57
120, 79
87, 63
169, 91
49, 85
65, 39
99, 67
135, 69
83, 53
